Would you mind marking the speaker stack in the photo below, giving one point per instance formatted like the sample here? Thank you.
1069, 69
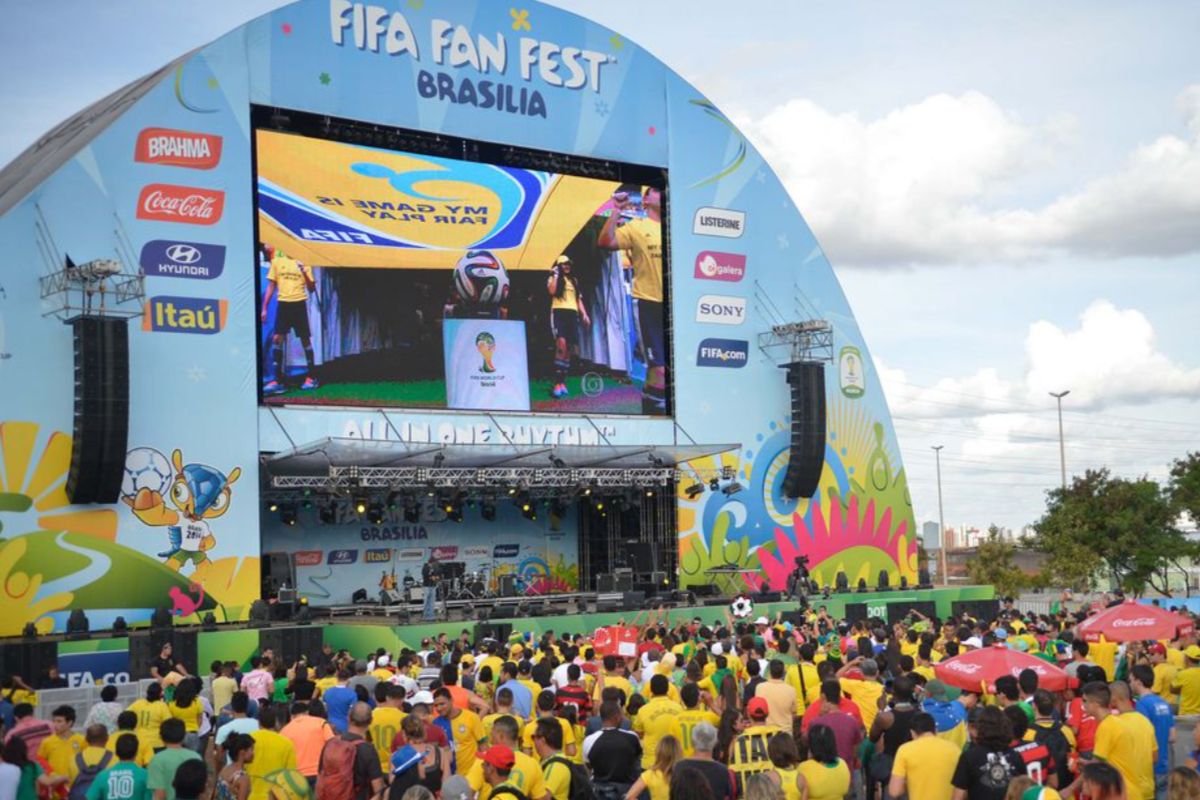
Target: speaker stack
806, 457
101, 426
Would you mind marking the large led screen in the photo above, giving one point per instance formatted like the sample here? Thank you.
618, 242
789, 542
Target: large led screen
396, 278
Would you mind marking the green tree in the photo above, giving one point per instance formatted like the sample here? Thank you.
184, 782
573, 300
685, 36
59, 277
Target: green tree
1184, 485
994, 565
1101, 524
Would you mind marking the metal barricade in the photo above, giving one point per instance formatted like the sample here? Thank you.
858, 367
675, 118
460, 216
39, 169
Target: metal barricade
82, 698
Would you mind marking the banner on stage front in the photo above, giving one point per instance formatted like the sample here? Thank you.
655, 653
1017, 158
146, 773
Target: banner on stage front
487, 366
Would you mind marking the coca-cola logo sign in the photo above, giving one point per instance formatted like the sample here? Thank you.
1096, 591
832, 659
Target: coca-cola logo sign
964, 667
1140, 622
165, 202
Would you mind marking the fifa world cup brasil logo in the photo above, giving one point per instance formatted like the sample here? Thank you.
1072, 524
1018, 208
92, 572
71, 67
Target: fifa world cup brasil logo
485, 343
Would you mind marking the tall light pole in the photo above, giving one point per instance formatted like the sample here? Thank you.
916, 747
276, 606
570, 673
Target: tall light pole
1062, 450
937, 454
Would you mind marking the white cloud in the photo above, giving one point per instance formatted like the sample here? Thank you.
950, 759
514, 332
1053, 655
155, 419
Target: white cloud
1109, 360
923, 184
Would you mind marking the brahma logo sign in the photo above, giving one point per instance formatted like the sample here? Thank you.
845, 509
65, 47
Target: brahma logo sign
724, 222
165, 202
712, 265
185, 315
506, 551
178, 148
444, 553
721, 310
723, 353
308, 558
342, 557
162, 258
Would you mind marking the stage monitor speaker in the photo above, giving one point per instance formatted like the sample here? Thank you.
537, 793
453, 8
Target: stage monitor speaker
276, 571
855, 612
508, 585
768, 596
705, 590
30, 660
500, 631
623, 581
101, 421
986, 610
390, 597
606, 582
633, 601
898, 611
806, 458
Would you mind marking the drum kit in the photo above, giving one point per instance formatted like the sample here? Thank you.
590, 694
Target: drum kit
480, 584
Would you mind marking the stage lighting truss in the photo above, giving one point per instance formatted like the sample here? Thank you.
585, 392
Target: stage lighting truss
807, 340
538, 481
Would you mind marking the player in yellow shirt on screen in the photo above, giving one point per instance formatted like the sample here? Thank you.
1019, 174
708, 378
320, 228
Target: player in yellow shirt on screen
566, 313
641, 239
290, 282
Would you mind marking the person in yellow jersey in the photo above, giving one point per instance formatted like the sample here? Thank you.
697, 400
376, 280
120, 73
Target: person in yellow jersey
693, 714
60, 747
151, 712
1144, 741
749, 753
611, 678
386, 720
127, 722
491, 661
566, 313
641, 238
804, 678
1164, 674
785, 758
556, 770
860, 680
924, 767
1114, 742
94, 754
504, 708
290, 282
545, 710
1104, 654
186, 706
1187, 681
465, 728
327, 681
824, 776
273, 753
656, 719
525, 773
657, 779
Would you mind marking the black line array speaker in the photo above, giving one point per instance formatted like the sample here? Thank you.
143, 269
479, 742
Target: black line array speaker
29, 659
290, 643
806, 457
977, 609
101, 427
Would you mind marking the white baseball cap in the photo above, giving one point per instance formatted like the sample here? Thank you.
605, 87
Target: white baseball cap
762, 621
973, 641
717, 650
382, 661
424, 698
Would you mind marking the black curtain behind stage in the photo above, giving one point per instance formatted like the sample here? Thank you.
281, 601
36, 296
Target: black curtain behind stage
633, 535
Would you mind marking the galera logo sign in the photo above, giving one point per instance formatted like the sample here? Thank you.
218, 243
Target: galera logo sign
720, 309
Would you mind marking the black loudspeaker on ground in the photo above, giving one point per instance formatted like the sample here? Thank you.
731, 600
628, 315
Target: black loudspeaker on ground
806, 458
101, 425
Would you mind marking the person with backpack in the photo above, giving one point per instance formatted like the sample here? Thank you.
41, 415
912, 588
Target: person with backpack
89, 762
349, 767
565, 779
1057, 737
124, 780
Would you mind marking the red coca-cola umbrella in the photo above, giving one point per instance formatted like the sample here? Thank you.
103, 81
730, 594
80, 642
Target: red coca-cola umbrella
1131, 621
978, 668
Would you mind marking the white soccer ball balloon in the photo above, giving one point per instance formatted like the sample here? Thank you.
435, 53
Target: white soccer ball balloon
146, 468
480, 279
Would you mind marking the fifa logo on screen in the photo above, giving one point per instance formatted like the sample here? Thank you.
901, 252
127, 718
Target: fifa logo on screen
485, 343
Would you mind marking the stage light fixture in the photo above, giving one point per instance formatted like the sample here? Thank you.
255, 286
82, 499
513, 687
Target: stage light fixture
559, 507
487, 509
306, 504
694, 491
732, 488
862, 585
600, 504
272, 506
287, 515
120, 625
328, 513
77, 625
557, 462
375, 513
360, 505
412, 511
30, 631
649, 491
209, 622
393, 500
714, 484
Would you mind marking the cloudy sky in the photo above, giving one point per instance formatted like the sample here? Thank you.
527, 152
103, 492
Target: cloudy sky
1010, 194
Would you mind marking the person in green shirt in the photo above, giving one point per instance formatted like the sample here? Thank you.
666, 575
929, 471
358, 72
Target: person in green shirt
125, 780
166, 761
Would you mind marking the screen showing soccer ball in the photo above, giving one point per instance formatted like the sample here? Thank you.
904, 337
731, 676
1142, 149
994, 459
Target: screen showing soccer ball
392, 277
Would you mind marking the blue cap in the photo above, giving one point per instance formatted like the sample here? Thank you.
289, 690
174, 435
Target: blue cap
206, 485
1000, 633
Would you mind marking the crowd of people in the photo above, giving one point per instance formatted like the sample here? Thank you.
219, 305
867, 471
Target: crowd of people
759, 709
